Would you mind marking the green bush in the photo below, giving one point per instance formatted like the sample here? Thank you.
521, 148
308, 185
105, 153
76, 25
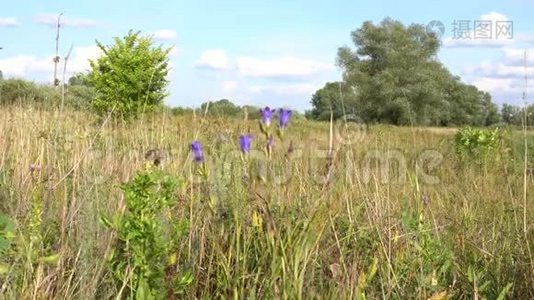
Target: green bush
130, 77
19, 91
478, 144
147, 236
79, 97
23, 92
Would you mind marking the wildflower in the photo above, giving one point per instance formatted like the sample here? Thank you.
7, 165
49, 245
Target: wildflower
284, 116
266, 115
34, 167
244, 142
196, 148
426, 199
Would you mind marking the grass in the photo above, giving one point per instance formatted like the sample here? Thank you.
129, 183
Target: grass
346, 231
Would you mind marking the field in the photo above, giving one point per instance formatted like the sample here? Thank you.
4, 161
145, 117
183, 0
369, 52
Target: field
300, 225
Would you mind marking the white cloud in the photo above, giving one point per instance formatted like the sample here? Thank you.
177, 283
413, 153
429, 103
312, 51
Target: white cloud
495, 43
499, 70
41, 68
286, 89
229, 86
516, 57
80, 57
494, 17
510, 66
164, 34
280, 67
8, 22
17, 66
493, 85
215, 59
51, 20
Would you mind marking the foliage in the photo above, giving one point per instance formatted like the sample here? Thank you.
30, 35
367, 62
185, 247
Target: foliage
515, 115
223, 107
7, 233
146, 236
393, 76
23, 92
79, 79
27, 93
336, 97
130, 76
181, 111
481, 144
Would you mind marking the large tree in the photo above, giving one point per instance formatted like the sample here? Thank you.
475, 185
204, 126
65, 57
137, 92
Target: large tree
129, 76
399, 80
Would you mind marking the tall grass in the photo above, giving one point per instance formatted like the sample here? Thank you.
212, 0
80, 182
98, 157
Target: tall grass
351, 234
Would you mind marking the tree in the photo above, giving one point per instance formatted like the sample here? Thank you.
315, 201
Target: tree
79, 79
223, 107
336, 97
130, 76
399, 80
511, 114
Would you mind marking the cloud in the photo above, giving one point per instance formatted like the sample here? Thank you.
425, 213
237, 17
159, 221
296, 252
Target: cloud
280, 67
493, 85
213, 59
466, 43
79, 61
51, 20
17, 66
41, 68
516, 57
229, 86
489, 30
511, 65
300, 89
8, 22
164, 34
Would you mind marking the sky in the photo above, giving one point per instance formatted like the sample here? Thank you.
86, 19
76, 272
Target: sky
276, 52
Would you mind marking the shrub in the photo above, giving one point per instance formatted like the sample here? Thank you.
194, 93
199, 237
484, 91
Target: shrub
130, 77
146, 235
478, 144
18, 91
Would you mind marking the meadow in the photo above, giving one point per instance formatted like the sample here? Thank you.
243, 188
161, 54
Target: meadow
305, 223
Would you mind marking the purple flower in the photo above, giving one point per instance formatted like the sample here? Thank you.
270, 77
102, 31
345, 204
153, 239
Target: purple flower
245, 141
266, 115
284, 116
196, 148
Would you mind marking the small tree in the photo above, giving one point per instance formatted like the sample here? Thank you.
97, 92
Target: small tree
130, 76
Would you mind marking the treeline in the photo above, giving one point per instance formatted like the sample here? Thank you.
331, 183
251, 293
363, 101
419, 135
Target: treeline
24, 92
79, 96
335, 97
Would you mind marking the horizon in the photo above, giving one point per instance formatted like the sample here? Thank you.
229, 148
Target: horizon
284, 53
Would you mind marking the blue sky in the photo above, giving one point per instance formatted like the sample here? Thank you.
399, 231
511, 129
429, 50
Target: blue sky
260, 52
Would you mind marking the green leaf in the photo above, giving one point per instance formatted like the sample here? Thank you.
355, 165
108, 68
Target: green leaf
504, 292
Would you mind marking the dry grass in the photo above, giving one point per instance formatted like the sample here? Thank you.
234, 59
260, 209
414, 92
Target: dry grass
316, 238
